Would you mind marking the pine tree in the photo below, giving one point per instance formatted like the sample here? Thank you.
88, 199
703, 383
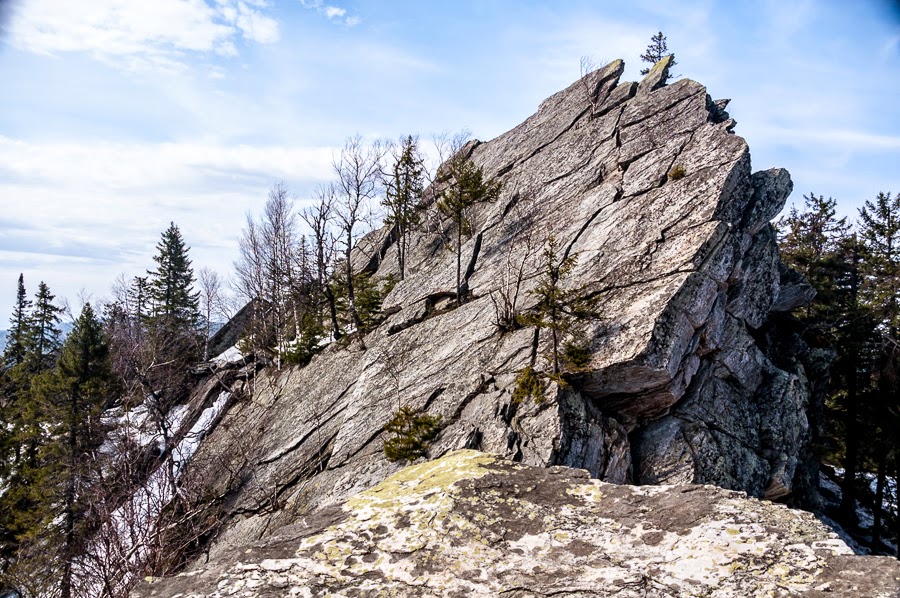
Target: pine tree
466, 188
16, 341
656, 51
175, 305
852, 327
403, 191
44, 338
880, 233
79, 391
559, 310
138, 297
808, 242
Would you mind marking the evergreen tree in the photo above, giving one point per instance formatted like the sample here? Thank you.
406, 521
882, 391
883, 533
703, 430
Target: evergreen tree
79, 391
809, 241
138, 297
44, 338
853, 332
656, 51
403, 191
880, 233
466, 188
175, 304
16, 340
559, 310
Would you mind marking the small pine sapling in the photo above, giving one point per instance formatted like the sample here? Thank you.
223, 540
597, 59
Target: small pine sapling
529, 383
411, 434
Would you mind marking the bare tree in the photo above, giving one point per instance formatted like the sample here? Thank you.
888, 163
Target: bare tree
357, 168
521, 247
394, 357
212, 303
266, 269
320, 217
587, 65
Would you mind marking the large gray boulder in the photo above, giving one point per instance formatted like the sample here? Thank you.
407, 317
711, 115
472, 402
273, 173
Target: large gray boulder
691, 379
470, 524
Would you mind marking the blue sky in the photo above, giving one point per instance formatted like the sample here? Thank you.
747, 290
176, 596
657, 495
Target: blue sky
118, 116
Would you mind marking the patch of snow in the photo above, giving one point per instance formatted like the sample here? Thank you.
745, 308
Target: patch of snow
188, 445
229, 355
133, 524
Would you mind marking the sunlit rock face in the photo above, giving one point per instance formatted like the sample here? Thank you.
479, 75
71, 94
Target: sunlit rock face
472, 524
693, 376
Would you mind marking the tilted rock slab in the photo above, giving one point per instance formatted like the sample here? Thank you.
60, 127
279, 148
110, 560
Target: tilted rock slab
471, 524
691, 378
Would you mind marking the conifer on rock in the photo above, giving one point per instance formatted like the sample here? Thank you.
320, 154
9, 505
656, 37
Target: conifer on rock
466, 188
656, 51
403, 190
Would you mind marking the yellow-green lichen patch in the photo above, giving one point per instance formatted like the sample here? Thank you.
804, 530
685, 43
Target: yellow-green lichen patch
424, 478
590, 492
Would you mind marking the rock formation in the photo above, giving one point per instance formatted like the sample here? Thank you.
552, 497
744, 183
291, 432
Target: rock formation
470, 524
693, 375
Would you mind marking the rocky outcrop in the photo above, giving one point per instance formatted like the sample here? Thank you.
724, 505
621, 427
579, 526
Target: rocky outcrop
470, 524
689, 380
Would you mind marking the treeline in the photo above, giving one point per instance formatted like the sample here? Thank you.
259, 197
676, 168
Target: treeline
63, 473
855, 269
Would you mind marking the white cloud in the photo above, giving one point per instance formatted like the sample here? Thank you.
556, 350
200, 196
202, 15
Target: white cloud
138, 33
256, 26
332, 13
78, 214
839, 139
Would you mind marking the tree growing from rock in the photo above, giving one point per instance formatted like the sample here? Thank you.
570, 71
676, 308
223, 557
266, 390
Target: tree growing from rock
656, 51
212, 302
559, 309
404, 185
320, 217
466, 187
358, 170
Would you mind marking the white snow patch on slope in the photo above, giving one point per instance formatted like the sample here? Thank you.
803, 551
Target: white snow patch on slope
229, 355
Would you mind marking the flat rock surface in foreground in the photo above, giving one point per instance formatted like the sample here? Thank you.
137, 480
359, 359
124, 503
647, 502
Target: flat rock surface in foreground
472, 524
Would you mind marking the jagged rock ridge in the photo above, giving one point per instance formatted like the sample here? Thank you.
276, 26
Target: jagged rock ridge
470, 524
693, 378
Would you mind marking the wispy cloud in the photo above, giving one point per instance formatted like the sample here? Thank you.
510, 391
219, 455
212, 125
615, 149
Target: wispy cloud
845, 139
139, 34
84, 211
332, 13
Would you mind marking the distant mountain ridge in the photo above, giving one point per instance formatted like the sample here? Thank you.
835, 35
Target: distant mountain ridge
65, 327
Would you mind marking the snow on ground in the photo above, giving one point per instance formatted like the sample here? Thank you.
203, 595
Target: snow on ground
888, 502
134, 522
229, 355
137, 426
188, 445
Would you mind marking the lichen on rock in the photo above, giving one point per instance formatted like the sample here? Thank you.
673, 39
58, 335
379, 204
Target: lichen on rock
473, 524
